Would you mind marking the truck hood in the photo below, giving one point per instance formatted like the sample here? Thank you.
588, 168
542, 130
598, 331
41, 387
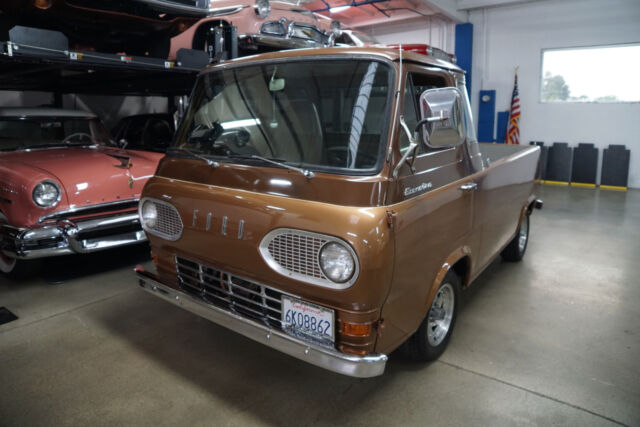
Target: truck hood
90, 175
363, 191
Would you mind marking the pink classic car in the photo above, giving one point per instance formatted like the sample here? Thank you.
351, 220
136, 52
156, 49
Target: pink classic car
261, 26
63, 188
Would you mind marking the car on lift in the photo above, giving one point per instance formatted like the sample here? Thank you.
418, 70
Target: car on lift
261, 27
146, 132
357, 38
136, 27
65, 187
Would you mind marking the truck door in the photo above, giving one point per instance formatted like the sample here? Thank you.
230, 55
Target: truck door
432, 215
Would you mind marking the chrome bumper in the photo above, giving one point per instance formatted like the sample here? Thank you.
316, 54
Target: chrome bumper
67, 238
278, 42
351, 365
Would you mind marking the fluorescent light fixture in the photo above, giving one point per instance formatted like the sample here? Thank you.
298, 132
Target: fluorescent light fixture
240, 123
339, 9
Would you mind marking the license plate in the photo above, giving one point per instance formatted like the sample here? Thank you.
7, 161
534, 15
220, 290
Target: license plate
308, 321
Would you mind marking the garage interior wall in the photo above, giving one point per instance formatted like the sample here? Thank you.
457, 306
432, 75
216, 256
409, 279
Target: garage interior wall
433, 30
510, 36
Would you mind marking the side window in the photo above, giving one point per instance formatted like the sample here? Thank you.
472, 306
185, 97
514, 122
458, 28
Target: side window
410, 112
422, 82
468, 117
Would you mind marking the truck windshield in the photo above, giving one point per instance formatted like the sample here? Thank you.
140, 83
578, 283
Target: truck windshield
328, 115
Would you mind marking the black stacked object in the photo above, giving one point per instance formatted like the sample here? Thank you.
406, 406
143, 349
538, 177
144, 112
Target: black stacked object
615, 166
559, 163
585, 164
541, 172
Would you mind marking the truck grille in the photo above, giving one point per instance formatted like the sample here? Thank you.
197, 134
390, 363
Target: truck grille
229, 292
297, 253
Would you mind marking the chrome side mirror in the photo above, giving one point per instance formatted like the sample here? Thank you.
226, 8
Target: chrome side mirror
442, 117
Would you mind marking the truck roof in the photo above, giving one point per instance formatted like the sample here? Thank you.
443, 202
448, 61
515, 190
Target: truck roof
392, 54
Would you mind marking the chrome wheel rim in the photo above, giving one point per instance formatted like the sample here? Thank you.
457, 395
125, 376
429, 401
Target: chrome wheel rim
440, 315
523, 234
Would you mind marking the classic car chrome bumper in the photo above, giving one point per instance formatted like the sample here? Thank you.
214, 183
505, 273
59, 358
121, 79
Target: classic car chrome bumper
279, 42
351, 365
66, 237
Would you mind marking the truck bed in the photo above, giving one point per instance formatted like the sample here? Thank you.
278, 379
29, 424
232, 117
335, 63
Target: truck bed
492, 152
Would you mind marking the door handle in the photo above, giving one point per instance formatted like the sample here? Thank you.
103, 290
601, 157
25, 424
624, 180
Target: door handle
469, 187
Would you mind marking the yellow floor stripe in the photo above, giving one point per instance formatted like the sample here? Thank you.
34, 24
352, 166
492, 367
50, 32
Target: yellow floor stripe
562, 183
583, 185
613, 187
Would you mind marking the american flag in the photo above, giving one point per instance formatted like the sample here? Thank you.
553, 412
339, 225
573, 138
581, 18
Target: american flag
513, 129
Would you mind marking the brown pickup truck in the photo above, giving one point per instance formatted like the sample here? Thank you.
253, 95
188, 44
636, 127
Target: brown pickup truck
332, 203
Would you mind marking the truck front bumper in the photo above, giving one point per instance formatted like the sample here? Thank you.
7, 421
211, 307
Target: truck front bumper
351, 365
66, 237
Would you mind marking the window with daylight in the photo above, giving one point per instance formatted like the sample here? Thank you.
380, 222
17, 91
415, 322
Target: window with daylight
603, 74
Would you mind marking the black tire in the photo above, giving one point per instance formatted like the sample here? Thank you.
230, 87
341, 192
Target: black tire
160, 48
516, 249
420, 347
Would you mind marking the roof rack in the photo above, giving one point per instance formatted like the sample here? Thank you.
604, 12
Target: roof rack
40, 60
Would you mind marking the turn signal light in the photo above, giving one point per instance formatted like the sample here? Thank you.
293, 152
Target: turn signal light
351, 350
356, 329
42, 4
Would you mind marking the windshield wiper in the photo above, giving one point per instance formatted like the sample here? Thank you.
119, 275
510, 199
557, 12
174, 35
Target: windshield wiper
210, 162
306, 172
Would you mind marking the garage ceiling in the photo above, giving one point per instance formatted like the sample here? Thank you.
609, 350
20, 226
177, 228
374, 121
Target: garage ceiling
360, 13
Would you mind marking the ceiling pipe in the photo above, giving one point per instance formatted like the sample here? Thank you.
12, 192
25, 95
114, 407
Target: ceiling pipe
352, 4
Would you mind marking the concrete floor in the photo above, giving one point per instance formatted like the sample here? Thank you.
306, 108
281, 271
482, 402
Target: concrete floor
552, 340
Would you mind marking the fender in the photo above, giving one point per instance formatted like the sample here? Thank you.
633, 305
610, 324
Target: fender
451, 260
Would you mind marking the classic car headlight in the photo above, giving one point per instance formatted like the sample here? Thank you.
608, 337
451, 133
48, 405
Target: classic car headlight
148, 214
262, 8
46, 194
336, 262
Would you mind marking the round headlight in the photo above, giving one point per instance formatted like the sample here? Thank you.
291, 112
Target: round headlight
46, 194
148, 214
336, 262
263, 8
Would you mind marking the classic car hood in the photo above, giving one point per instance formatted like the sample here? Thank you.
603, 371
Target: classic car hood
92, 175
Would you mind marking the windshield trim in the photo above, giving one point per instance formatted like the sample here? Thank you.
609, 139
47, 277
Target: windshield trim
385, 137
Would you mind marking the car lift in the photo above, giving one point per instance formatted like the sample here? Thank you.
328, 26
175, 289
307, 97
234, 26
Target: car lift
40, 60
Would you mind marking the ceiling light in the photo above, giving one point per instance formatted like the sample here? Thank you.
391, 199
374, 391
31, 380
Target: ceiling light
339, 9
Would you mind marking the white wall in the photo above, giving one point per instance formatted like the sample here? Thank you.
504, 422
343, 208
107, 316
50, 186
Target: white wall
434, 31
510, 36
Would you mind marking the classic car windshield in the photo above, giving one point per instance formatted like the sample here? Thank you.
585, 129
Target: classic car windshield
38, 132
323, 114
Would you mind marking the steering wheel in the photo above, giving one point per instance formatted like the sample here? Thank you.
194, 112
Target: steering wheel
76, 135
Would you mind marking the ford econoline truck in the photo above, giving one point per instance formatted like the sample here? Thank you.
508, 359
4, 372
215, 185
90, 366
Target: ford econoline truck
333, 203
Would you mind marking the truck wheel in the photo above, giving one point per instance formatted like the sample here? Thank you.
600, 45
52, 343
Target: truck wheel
516, 248
432, 337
